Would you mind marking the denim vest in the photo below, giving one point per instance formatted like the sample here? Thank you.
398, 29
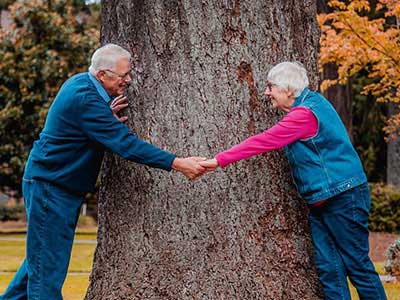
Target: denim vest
327, 164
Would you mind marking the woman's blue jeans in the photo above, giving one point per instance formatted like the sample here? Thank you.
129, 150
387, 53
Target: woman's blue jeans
339, 230
52, 215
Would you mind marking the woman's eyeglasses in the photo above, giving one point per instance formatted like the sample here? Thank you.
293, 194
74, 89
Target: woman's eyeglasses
270, 85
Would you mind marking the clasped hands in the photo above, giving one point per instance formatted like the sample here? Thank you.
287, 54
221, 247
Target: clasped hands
194, 167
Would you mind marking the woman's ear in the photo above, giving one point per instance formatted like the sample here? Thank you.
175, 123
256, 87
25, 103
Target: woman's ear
289, 93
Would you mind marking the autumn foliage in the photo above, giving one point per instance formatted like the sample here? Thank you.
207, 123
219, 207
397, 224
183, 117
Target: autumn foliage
48, 41
364, 36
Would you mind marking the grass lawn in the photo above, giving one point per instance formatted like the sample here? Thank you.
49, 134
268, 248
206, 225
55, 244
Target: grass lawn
12, 253
74, 287
392, 291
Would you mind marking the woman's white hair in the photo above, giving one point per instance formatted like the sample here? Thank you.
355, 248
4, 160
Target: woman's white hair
106, 57
289, 76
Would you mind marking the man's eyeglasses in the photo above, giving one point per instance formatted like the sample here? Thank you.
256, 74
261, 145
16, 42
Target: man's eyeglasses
121, 76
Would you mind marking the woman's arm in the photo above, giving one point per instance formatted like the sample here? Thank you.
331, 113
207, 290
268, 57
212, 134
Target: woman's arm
299, 123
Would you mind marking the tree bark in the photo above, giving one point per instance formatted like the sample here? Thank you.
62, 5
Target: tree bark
339, 95
393, 154
238, 233
341, 98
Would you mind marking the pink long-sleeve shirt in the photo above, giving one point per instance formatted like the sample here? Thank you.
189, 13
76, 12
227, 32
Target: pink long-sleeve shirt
299, 123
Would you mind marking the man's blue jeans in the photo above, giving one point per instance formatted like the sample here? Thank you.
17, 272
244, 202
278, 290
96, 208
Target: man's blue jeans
339, 230
52, 214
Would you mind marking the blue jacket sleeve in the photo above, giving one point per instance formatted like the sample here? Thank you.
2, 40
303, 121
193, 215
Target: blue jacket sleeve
98, 122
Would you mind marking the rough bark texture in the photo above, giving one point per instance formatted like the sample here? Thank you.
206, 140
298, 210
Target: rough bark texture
239, 233
393, 154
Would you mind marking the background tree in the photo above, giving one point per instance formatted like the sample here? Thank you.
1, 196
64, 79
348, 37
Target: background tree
340, 95
240, 233
48, 41
361, 42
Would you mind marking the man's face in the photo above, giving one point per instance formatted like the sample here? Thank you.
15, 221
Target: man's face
116, 81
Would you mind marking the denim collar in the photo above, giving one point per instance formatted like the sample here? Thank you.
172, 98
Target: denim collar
100, 88
298, 100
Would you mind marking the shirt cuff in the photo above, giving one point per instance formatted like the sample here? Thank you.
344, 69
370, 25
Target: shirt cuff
220, 160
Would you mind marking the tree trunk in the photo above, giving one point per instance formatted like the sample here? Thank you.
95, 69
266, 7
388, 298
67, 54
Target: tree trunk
341, 98
238, 233
393, 154
339, 95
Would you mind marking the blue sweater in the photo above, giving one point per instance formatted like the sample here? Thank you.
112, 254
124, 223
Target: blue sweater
79, 127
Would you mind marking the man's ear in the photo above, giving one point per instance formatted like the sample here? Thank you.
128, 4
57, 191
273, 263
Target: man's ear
100, 75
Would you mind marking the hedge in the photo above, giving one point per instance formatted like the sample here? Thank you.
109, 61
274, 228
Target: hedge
385, 209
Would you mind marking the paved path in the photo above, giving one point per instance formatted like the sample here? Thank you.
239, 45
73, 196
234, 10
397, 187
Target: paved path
384, 278
387, 278
69, 273
17, 239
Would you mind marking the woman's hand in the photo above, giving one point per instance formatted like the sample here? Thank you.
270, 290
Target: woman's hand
189, 166
209, 164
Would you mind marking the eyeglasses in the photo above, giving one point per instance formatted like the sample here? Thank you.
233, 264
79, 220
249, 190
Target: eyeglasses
121, 76
270, 85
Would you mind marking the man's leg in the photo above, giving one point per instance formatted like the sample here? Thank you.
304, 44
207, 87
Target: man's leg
17, 289
347, 220
328, 262
52, 216
48, 252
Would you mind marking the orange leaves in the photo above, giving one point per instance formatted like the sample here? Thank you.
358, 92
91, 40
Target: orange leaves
355, 41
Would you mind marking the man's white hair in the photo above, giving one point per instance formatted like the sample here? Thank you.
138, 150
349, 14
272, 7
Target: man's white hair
289, 76
106, 57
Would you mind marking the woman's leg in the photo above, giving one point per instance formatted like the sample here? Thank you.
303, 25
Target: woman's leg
328, 262
346, 216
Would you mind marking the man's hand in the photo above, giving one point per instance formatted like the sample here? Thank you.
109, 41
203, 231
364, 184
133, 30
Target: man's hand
116, 105
189, 166
209, 164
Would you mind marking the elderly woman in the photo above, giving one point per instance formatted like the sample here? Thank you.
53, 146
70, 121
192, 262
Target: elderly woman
328, 175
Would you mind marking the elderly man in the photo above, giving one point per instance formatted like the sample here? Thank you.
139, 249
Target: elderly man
64, 164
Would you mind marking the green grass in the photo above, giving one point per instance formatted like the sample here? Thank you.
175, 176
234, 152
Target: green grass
12, 254
74, 287
392, 291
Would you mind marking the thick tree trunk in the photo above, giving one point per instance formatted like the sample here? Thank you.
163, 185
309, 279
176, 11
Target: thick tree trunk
238, 233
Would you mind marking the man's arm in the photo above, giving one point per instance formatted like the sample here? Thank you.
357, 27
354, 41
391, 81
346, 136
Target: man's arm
98, 122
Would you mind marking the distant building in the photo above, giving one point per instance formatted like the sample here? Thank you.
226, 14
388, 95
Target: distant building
6, 20
3, 198
10, 200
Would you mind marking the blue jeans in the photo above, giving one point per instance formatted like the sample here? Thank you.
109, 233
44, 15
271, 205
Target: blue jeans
52, 215
339, 230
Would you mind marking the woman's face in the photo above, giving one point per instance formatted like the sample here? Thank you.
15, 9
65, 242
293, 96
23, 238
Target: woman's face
279, 98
